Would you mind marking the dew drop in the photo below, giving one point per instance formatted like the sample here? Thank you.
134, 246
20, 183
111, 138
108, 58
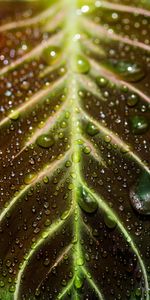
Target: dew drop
91, 129
68, 164
2, 284
46, 179
64, 282
140, 195
37, 292
87, 150
132, 100
110, 221
25, 85
82, 65
138, 293
51, 54
45, 141
80, 261
102, 81
87, 203
29, 178
131, 72
65, 215
76, 157
78, 281
14, 115
139, 124
12, 289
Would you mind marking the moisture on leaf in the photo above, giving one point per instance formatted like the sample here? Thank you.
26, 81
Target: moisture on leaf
75, 150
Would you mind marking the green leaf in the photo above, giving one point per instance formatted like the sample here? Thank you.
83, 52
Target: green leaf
74, 150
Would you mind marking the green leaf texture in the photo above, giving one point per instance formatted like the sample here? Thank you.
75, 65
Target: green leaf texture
75, 150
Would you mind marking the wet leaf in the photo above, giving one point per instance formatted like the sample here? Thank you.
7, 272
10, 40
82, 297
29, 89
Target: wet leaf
74, 150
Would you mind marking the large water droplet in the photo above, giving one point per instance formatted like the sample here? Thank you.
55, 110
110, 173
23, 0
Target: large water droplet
45, 141
139, 124
140, 195
87, 202
131, 72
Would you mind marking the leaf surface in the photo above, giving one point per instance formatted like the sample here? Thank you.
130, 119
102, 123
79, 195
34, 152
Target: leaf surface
74, 150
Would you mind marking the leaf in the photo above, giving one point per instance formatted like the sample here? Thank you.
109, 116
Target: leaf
75, 143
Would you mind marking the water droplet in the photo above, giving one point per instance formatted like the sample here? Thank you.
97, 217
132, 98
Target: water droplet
37, 292
112, 17
82, 65
65, 215
68, 164
107, 139
131, 72
132, 100
138, 293
2, 283
45, 141
46, 262
102, 81
64, 282
51, 54
14, 115
91, 129
87, 202
87, 150
25, 85
76, 157
110, 221
78, 281
29, 178
46, 179
12, 289
139, 124
140, 195
80, 261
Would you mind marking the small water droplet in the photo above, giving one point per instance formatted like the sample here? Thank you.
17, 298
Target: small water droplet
76, 157
65, 215
51, 54
45, 141
29, 178
68, 164
14, 115
102, 81
2, 283
87, 202
140, 194
131, 72
78, 281
80, 261
91, 129
46, 262
12, 289
64, 282
110, 221
46, 179
107, 139
82, 65
87, 150
132, 100
139, 124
